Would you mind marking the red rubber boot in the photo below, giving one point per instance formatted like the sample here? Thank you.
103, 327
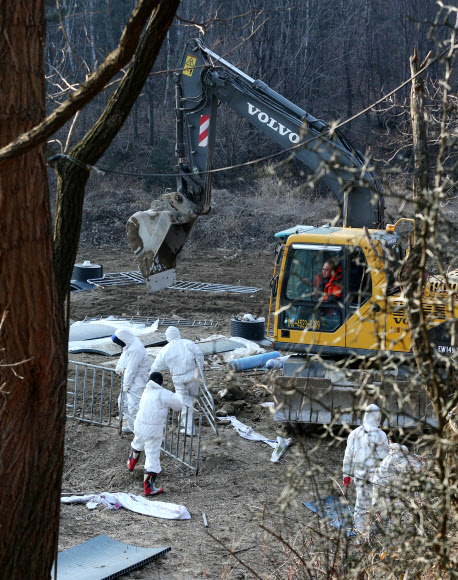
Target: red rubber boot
133, 458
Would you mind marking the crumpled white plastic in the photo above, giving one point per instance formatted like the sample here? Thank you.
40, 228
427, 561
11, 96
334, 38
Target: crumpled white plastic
134, 503
280, 444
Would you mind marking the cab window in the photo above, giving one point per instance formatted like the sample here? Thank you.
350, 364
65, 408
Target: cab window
313, 291
360, 281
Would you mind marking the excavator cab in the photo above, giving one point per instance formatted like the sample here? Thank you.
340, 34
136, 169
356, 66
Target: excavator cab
325, 284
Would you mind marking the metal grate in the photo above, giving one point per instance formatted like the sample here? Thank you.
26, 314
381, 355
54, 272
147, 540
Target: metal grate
102, 558
90, 399
182, 447
90, 393
124, 278
150, 320
204, 287
118, 279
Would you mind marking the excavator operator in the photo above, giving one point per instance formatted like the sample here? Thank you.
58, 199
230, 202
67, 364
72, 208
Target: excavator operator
327, 283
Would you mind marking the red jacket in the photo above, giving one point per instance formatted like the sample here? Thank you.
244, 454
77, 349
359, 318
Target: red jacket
333, 288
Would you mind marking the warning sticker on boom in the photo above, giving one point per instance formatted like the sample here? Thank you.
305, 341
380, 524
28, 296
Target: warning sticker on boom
191, 63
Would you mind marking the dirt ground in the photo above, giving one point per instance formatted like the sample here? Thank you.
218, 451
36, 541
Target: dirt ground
237, 487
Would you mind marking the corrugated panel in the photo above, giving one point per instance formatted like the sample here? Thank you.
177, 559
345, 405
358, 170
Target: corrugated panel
103, 558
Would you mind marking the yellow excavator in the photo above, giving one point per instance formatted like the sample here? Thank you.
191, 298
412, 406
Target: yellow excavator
335, 300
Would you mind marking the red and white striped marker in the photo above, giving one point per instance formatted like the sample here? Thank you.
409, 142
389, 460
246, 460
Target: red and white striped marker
203, 132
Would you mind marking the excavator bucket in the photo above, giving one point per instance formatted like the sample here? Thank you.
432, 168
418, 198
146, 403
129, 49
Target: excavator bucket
156, 237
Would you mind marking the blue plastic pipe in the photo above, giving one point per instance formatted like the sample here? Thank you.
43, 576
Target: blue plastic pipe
252, 362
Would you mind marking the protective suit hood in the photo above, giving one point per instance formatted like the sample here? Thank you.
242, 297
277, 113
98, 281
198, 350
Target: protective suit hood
372, 417
125, 335
172, 333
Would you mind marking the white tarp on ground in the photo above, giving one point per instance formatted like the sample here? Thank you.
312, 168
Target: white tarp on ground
280, 444
87, 331
217, 344
134, 503
146, 333
244, 348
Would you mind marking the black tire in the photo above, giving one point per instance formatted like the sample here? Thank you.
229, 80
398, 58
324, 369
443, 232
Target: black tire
83, 273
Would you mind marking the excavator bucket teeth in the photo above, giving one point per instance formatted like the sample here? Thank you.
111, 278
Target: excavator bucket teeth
156, 240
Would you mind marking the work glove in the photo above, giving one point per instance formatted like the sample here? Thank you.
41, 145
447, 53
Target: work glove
119, 371
347, 481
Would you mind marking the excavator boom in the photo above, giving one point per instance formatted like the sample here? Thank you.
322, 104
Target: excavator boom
158, 234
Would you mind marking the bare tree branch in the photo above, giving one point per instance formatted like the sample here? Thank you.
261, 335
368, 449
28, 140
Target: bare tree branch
88, 90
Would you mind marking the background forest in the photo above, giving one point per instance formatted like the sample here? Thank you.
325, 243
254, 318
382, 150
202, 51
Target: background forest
332, 58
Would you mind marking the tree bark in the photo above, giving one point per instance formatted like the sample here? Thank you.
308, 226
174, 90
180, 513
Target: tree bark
72, 177
32, 338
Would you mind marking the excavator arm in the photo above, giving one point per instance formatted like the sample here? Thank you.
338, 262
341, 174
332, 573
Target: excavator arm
158, 234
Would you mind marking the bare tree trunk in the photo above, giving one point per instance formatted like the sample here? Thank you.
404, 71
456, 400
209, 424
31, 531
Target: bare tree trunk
150, 97
436, 388
135, 119
169, 66
32, 340
92, 34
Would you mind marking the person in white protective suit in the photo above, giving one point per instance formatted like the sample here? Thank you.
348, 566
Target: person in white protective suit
149, 429
133, 365
185, 361
366, 447
394, 484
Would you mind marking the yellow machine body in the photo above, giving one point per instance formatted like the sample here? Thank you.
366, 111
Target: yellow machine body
370, 313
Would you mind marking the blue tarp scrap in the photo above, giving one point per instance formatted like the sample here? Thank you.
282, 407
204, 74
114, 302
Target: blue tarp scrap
103, 558
335, 510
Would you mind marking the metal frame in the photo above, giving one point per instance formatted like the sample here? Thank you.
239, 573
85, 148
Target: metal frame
206, 287
151, 320
124, 278
97, 401
175, 444
90, 403
206, 403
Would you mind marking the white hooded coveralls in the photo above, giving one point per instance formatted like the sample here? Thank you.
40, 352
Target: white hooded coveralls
181, 357
149, 424
135, 364
393, 480
366, 447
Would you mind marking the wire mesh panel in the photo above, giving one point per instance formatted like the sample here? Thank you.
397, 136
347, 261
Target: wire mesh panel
181, 440
93, 396
205, 402
90, 393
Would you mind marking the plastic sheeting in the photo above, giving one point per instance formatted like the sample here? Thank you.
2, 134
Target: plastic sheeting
134, 503
244, 347
145, 332
105, 346
337, 511
89, 331
276, 363
280, 444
